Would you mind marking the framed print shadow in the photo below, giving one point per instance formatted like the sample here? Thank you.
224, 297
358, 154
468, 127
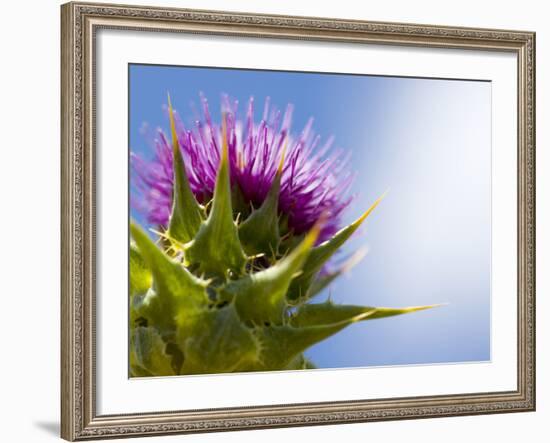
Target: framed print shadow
277, 221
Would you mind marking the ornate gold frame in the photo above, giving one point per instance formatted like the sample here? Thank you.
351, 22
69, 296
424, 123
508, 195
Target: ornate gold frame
79, 22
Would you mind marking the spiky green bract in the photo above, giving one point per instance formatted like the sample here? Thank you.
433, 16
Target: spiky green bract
286, 342
215, 296
311, 324
216, 249
259, 233
187, 215
328, 313
261, 297
175, 289
299, 289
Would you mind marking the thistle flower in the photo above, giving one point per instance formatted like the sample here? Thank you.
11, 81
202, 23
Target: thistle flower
314, 180
230, 287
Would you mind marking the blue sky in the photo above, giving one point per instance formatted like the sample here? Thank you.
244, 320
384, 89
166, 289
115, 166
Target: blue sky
427, 141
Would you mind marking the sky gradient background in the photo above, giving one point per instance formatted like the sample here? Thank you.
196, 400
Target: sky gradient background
428, 142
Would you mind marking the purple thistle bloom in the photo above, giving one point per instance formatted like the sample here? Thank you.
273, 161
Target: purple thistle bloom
312, 182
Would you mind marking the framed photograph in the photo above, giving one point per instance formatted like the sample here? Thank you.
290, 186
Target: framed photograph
282, 221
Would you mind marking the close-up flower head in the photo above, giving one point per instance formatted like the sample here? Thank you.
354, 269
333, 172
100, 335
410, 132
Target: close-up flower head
315, 178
